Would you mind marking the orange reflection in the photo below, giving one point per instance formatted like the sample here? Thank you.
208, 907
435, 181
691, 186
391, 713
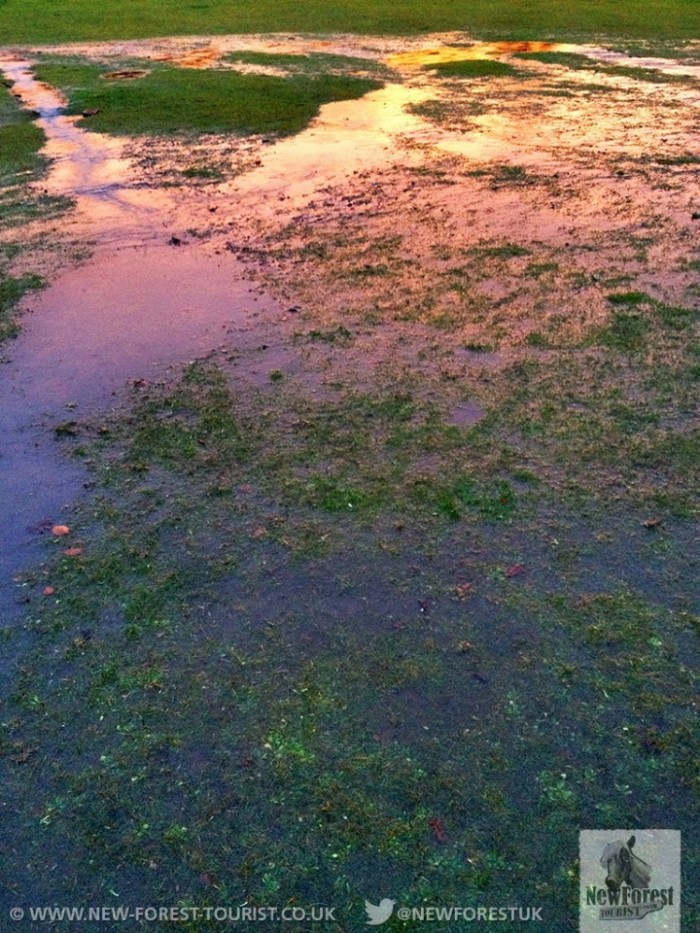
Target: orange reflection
346, 137
196, 58
438, 56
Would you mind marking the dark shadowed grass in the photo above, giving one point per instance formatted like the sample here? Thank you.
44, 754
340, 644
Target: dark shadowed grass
88, 20
20, 142
299, 670
170, 100
12, 288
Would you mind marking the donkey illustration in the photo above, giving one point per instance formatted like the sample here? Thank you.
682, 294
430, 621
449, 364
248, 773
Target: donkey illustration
623, 866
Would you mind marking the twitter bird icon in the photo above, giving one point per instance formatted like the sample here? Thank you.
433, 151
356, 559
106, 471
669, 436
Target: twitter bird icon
379, 913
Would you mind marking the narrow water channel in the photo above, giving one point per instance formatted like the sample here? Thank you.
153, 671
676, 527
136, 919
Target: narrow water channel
137, 306
89, 167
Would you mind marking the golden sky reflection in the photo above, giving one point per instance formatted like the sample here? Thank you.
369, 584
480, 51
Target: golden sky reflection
419, 58
346, 137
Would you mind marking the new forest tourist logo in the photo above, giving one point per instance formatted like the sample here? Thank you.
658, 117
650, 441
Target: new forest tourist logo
629, 876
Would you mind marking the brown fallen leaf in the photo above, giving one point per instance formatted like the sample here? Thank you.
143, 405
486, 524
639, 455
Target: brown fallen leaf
652, 522
60, 530
464, 590
435, 823
515, 570
259, 532
49, 590
73, 551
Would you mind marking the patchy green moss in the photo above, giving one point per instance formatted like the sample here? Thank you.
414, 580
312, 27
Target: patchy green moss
11, 291
475, 68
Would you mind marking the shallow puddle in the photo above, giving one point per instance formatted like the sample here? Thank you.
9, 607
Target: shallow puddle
126, 315
347, 137
130, 311
467, 413
206, 57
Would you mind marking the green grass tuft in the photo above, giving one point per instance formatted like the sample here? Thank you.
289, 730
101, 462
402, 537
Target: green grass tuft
474, 68
11, 291
628, 298
492, 501
20, 141
625, 332
318, 63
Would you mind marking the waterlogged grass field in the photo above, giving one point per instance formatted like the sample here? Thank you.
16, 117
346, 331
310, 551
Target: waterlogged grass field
379, 623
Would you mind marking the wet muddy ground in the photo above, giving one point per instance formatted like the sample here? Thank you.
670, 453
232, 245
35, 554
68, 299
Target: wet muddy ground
424, 506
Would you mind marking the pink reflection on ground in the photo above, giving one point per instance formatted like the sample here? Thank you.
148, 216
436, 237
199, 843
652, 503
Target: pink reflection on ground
346, 137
